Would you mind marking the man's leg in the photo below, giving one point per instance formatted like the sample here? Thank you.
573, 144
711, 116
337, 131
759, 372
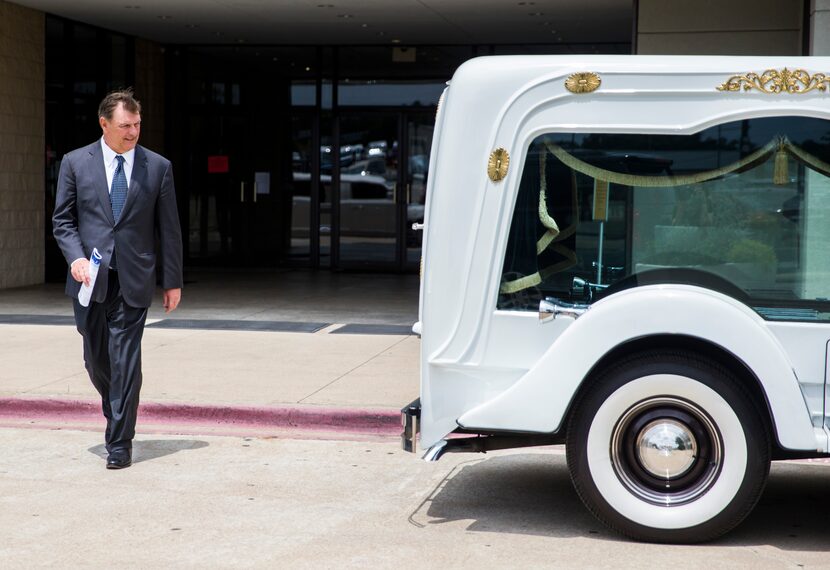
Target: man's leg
91, 322
125, 330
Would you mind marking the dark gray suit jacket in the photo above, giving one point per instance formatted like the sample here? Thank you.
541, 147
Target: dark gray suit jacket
83, 220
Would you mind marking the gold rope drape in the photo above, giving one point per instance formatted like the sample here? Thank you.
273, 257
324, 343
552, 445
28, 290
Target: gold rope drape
757, 157
553, 234
548, 240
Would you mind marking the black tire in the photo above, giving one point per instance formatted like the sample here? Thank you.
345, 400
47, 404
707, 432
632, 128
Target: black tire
680, 416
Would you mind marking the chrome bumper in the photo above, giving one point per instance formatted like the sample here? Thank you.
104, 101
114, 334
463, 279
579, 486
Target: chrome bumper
411, 422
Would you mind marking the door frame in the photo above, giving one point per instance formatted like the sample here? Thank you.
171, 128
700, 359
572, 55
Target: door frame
402, 115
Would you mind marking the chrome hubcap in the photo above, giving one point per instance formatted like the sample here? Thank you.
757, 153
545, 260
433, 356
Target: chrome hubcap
666, 448
666, 451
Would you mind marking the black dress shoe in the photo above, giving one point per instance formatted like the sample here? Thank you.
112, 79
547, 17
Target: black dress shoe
119, 459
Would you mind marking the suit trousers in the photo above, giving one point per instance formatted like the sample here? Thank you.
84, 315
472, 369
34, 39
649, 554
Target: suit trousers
112, 333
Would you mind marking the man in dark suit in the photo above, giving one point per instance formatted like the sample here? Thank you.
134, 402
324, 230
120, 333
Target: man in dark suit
118, 197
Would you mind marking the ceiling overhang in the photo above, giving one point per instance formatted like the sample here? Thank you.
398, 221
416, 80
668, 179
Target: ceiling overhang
354, 22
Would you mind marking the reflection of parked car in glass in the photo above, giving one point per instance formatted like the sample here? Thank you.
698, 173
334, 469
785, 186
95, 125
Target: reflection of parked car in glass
377, 148
349, 154
366, 205
376, 165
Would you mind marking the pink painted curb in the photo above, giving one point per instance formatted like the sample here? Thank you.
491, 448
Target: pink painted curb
308, 417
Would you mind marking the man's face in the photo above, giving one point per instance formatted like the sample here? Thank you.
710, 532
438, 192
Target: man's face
121, 132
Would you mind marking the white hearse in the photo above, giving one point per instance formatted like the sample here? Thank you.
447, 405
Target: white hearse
630, 255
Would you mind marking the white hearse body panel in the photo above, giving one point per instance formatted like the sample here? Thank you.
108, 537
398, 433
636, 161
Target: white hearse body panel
495, 370
535, 402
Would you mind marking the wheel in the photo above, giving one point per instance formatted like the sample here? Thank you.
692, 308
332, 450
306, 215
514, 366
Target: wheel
668, 447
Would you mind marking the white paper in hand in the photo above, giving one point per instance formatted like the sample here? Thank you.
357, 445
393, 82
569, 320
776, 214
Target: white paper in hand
85, 294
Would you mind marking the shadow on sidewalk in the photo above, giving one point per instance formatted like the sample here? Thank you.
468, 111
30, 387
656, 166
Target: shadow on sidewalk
148, 449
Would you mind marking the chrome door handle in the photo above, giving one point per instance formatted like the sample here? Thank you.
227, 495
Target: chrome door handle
551, 308
418, 227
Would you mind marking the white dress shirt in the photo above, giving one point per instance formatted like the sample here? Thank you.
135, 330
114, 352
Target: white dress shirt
110, 163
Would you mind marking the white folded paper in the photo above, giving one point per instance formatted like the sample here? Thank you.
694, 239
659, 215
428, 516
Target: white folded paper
85, 294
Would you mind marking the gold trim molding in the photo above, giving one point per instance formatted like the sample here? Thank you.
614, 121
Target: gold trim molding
498, 164
583, 82
773, 82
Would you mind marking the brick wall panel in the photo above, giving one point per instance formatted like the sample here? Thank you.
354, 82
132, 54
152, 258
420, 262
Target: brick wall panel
22, 116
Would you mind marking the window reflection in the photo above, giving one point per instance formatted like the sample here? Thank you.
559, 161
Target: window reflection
743, 208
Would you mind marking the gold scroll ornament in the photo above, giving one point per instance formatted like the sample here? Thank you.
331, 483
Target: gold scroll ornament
583, 82
773, 82
497, 165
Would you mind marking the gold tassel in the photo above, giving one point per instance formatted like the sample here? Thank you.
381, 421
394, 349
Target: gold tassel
600, 200
780, 174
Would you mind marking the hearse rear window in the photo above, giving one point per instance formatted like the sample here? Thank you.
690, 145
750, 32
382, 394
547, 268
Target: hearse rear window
742, 208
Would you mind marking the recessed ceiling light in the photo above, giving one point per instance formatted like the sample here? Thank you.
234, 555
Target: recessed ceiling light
396, 41
240, 41
364, 25
165, 17
308, 68
275, 59
345, 16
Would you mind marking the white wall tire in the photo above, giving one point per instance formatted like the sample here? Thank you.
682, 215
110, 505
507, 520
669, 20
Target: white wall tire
668, 447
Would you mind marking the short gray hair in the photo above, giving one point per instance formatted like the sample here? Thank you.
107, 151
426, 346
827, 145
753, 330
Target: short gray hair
111, 101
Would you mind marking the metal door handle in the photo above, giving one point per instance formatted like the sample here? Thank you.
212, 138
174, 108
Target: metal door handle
242, 192
551, 308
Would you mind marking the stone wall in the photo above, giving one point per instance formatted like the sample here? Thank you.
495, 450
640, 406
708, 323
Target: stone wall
717, 27
22, 110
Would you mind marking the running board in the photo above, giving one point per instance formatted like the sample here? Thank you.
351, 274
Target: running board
485, 443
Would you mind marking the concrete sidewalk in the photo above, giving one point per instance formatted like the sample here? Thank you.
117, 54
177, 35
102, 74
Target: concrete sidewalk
199, 373
319, 380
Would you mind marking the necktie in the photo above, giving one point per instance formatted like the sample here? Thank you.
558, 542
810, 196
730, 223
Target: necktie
118, 192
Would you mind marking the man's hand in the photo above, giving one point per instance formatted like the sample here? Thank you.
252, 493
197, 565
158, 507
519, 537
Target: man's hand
80, 270
171, 299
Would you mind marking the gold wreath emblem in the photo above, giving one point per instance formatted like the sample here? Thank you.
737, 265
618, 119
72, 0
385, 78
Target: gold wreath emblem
583, 82
773, 82
497, 165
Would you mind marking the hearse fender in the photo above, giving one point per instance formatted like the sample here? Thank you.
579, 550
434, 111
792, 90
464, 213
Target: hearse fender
539, 400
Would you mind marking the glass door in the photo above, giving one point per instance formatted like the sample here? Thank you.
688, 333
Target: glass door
217, 212
419, 129
383, 166
366, 219
238, 161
